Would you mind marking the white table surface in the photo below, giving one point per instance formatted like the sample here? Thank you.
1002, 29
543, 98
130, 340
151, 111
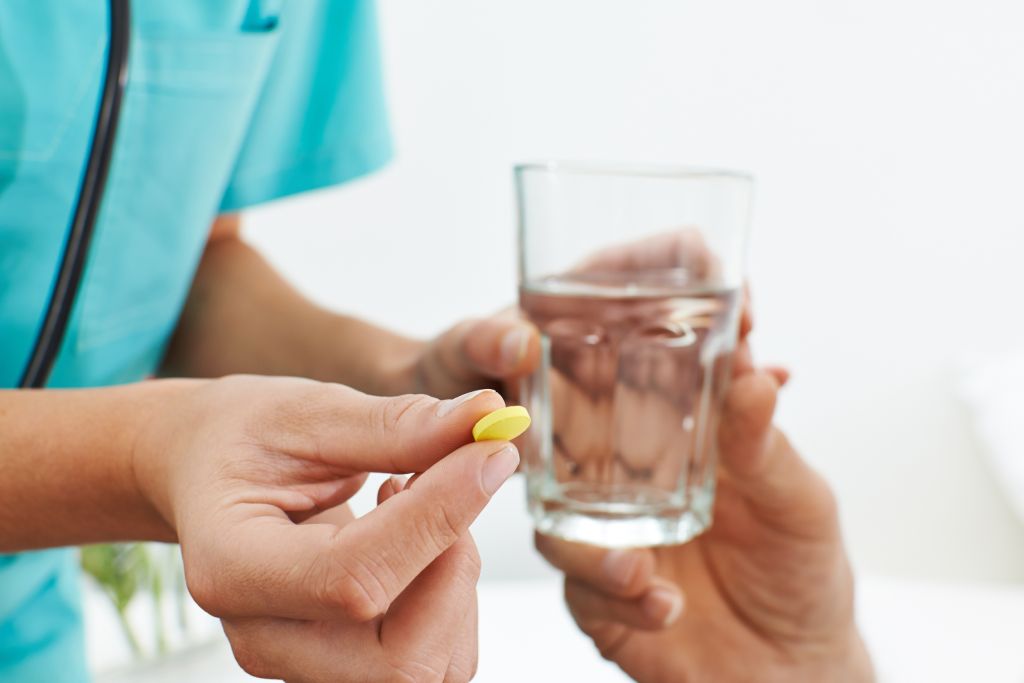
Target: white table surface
916, 631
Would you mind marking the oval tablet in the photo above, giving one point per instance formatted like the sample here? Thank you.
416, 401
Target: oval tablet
503, 424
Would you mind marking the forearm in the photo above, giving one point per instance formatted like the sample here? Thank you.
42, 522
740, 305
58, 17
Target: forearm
67, 466
243, 317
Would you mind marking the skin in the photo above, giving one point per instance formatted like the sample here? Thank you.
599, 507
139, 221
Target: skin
243, 317
254, 495
765, 595
250, 474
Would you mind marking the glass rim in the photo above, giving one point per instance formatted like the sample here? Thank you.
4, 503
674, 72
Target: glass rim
630, 169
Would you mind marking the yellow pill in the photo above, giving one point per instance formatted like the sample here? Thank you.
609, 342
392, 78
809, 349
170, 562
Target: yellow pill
503, 424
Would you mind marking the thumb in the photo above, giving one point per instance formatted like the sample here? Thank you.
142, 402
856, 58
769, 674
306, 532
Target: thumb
317, 570
761, 464
385, 550
476, 352
746, 423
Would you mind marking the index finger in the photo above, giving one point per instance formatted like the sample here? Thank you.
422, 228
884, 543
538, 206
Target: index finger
622, 572
353, 432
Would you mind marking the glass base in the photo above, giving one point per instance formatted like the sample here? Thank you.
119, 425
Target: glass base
611, 529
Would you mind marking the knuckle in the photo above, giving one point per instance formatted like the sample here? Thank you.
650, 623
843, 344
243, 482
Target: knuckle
307, 404
823, 519
439, 529
202, 586
250, 658
357, 592
468, 563
465, 332
608, 638
294, 406
392, 412
827, 502
548, 549
606, 650
578, 614
462, 672
416, 672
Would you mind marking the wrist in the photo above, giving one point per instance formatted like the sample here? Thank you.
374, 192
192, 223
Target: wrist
371, 359
162, 420
68, 467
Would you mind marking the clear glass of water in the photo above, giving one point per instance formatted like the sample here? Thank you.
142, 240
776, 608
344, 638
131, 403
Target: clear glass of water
634, 277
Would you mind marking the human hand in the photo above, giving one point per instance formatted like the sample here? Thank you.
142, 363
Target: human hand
490, 352
495, 351
252, 473
768, 588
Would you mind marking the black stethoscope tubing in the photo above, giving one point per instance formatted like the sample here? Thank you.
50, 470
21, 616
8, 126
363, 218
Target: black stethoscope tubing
90, 196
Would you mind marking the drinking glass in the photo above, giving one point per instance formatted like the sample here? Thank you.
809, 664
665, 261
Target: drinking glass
634, 277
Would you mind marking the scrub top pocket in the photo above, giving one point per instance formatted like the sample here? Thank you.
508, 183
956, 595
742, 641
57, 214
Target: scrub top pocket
186, 109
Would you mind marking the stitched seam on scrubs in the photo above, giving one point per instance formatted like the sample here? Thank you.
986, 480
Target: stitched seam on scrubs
62, 129
215, 38
328, 171
377, 146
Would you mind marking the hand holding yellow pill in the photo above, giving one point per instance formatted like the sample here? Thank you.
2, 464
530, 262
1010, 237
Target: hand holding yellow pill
503, 424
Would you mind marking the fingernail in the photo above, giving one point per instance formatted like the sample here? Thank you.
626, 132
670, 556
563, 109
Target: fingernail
445, 407
620, 566
499, 467
662, 605
513, 347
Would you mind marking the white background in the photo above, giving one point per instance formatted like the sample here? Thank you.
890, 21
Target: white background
886, 137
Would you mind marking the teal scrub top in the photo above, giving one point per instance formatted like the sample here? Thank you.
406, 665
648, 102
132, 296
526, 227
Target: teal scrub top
228, 104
